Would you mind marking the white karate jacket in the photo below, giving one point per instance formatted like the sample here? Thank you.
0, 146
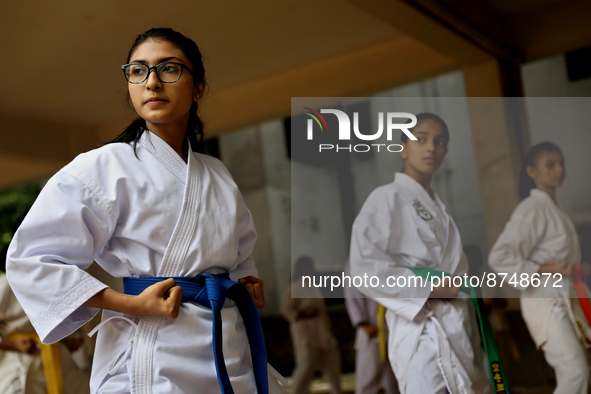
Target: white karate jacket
121, 211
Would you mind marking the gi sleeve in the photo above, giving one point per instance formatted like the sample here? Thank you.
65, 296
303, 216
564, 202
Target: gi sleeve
512, 250
68, 224
377, 240
247, 238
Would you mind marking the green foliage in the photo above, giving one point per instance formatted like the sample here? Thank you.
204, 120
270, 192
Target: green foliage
15, 203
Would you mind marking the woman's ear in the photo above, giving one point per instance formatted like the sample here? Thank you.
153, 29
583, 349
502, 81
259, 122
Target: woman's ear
403, 151
531, 171
198, 90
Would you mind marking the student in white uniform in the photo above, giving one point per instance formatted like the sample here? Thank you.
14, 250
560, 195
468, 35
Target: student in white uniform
540, 239
314, 344
434, 344
146, 205
371, 373
21, 366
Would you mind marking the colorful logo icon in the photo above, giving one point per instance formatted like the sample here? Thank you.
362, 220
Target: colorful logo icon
316, 119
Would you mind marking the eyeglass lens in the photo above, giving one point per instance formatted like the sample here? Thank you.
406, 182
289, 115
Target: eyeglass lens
167, 72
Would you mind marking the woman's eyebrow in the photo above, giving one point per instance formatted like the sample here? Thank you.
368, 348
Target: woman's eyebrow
425, 133
161, 60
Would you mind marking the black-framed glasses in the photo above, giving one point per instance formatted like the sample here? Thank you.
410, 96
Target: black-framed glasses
167, 72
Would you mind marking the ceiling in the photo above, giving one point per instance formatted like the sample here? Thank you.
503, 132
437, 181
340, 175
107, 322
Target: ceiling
63, 91
513, 7
65, 55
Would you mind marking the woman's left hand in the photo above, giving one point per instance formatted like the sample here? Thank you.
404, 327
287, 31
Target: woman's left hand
255, 288
586, 267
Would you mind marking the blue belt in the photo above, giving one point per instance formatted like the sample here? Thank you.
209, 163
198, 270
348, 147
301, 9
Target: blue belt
211, 291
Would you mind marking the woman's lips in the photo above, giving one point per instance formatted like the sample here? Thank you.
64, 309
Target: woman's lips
155, 102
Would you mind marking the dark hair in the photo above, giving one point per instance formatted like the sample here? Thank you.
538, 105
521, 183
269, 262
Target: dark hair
301, 265
532, 156
134, 131
427, 115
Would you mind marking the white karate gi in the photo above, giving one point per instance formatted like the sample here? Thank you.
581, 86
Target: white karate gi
540, 232
370, 372
121, 211
22, 373
434, 345
314, 344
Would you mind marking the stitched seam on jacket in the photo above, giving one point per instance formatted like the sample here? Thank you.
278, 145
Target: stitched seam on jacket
51, 313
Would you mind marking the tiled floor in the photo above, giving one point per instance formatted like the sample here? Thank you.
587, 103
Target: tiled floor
320, 386
535, 390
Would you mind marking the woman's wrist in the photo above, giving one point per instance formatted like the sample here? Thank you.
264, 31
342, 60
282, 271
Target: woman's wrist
130, 305
113, 300
160, 299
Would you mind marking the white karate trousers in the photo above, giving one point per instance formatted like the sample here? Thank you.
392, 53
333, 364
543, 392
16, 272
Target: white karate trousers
424, 374
566, 354
370, 373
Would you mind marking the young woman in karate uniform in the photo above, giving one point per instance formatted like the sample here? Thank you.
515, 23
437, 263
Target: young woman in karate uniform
434, 343
540, 238
146, 205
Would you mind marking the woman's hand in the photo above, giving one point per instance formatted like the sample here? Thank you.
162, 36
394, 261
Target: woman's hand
161, 299
255, 288
563, 268
73, 343
21, 345
369, 329
586, 267
308, 314
445, 291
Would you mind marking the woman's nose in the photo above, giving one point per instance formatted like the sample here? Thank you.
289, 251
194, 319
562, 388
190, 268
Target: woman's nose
153, 82
430, 145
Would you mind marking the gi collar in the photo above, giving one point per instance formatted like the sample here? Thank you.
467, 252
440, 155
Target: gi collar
417, 190
408, 182
542, 195
165, 153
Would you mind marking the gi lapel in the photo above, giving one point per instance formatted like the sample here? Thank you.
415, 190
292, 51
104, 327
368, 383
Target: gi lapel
186, 224
172, 262
164, 154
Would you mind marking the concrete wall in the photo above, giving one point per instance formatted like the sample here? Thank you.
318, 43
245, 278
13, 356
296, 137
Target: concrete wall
257, 159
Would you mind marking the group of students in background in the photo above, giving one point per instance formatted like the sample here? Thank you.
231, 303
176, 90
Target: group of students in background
436, 337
